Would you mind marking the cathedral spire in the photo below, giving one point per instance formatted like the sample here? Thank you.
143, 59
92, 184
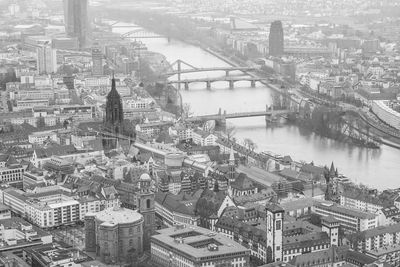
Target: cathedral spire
232, 156
113, 86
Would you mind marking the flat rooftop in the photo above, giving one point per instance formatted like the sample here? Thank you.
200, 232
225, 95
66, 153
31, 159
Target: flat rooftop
347, 211
194, 241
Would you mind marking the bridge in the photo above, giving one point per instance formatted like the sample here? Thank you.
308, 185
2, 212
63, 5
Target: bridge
209, 81
176, 68
140, 34
268, 114
226, 69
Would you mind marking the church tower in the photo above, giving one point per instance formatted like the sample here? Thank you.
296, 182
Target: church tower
146, 208
231, 166
274, 232
113, 122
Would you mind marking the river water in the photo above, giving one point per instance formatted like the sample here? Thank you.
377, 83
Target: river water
377, 168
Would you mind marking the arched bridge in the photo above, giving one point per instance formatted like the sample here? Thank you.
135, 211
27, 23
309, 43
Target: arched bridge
140, 34
224, 116
226, 69
208, 81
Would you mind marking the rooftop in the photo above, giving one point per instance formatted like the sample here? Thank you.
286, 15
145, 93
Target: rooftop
395, 228
110, 217
182, 240
346, 211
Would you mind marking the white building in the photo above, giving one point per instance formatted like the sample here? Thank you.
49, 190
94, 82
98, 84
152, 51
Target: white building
203, 138
360, 203
351, 219
40, 137
385, 113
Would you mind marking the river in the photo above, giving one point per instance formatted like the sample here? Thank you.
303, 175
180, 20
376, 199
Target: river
377, 168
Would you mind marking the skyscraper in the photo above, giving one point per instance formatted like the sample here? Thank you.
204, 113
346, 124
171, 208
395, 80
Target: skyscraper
76, 19
46, 59
97, 58
276, 39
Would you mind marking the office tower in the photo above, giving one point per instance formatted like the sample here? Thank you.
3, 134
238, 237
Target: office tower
76, 19
276, 39
97, 58
46, 59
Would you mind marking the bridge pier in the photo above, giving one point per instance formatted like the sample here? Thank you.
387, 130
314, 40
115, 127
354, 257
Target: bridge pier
208, 83
186, 86
253, 83
231, 84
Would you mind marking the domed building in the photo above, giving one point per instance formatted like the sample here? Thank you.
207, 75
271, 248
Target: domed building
116, 235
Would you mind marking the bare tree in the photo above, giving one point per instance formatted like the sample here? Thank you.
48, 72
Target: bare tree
230, 131
187, 110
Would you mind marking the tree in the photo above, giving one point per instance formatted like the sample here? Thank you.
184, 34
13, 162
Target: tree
187, 110
230, 131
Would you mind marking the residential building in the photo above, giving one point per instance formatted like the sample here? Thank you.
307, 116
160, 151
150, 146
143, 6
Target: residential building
203, 138
388, 254
380, 237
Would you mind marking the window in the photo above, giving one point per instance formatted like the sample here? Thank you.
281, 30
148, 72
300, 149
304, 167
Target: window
278, 248
278, 225
130, 242
148, 203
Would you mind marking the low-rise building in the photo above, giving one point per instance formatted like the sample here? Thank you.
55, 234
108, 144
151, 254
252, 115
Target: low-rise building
380, 237
176, 209
16, 233
351, 219
203, 138
54, 255
388, 254
196, 246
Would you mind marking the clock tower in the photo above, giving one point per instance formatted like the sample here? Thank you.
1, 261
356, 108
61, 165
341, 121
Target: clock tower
146, 208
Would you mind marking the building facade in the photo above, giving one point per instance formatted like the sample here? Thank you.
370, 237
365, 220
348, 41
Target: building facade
76, 19
116, 235
196, 246
276, 39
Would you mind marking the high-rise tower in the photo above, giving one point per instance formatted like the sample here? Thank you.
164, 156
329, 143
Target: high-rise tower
97, 58
276, 40
76, 19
